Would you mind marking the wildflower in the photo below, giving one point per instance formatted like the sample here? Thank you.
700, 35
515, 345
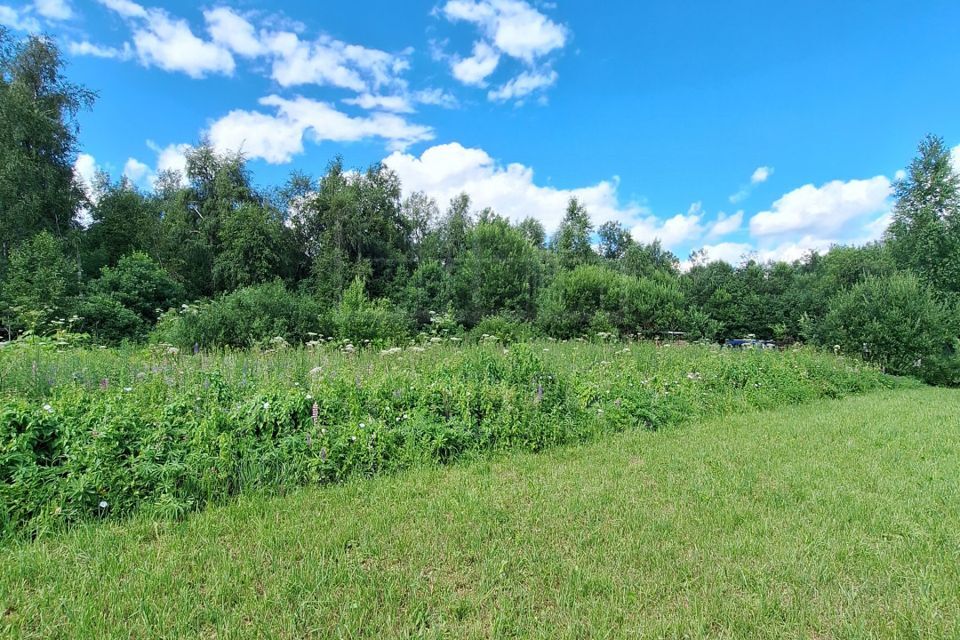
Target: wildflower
104, 383
103, 504
266, 405
315, 412
316, 371
353, 438
127, 389
362, 425
309, 397
48, 408
323, 454
693, 375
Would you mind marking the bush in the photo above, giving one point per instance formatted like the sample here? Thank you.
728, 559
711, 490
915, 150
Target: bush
898, 323
108, 321
359, 319
140, 285
591, 299
245, 318
504, 328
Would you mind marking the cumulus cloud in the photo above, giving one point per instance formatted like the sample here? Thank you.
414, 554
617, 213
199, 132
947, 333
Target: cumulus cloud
725, 225
823, 210
512, 28
85, 171
168, 42
444, 171
672, 231
475, 69
136, 171
277, 137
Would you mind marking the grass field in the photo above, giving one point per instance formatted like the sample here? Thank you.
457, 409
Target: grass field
834, 519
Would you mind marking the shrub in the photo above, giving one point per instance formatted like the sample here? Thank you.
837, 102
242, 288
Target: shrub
505, 328
245, 318
140, 285
898, 323
359, 319
108, 321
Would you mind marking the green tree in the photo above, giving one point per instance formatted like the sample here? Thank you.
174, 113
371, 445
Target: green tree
572, 240
898, 323
925, 233
255, 247
124, 220
498, 272
38, 142
38, 283
141, 285
615, 240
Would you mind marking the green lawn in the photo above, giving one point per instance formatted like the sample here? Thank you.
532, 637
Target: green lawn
838, 519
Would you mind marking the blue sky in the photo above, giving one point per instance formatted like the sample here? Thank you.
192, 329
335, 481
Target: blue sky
770, 128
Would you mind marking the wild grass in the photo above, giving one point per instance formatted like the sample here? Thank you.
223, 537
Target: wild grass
103, 434
834, 519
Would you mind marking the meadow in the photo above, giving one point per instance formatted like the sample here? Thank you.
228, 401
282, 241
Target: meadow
94, 434
834, 519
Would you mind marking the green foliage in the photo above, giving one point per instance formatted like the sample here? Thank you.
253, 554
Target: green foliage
38, 110
104, 317
103, 434
244, 318
141, 285
498, 272
255, 247
572, 242
925, 233
503, 328
591, 299
898, 323
124, 220
360, 320
38, 283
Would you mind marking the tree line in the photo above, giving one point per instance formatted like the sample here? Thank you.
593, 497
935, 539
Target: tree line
210, 258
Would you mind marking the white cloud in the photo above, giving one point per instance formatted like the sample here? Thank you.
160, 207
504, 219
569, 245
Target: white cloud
475, 69
136, 171
512, 26
900, 175
823, 210
85, 172
737, 252
672, 231
397, 104
436, 97
19, 20
444, 171
86, 48
53, 9
233, 31
725, 225
523, 85
125, 8
761, 174
169, 43
277, 138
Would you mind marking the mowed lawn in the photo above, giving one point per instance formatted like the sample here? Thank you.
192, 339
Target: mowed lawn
838, 519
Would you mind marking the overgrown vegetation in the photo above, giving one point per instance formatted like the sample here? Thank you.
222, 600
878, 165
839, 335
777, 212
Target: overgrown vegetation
92, 433
837, 519
345, 254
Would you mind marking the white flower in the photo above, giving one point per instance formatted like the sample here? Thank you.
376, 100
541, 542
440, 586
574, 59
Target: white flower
127, 389
48, 408
309, 397
362, 425
353, 438
103, 504
316, 371
266, 405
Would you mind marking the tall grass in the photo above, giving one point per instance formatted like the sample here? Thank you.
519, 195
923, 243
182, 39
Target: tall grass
93, 433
